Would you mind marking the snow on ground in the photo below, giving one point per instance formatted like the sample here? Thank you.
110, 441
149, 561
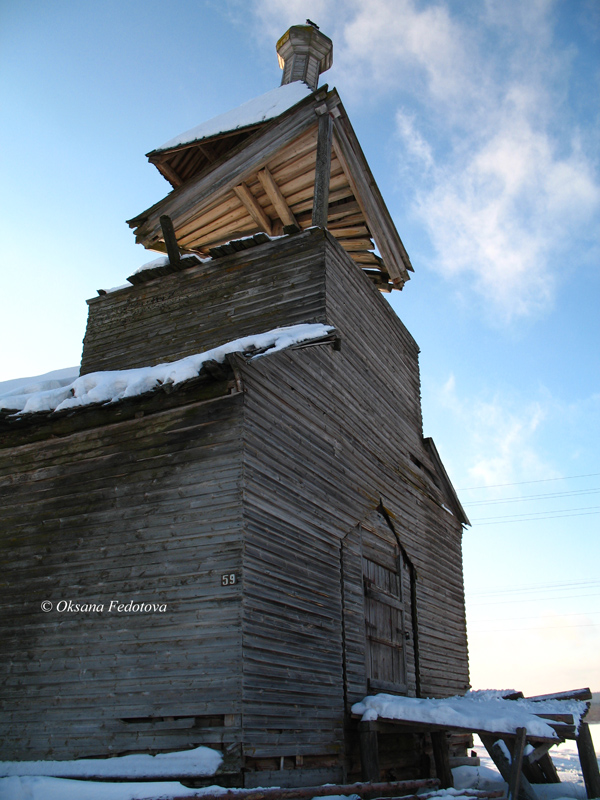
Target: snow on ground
479, 710
110, 386
564, 756
33, 780
266, 107
485, 777
201, 761
38, 788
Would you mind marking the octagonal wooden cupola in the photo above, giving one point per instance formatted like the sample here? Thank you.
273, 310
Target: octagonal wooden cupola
304, 53
278, 164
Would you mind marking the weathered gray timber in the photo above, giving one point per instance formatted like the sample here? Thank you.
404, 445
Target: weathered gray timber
279, 283
322, 171
304, 474
315, 179
588, 760
144, 510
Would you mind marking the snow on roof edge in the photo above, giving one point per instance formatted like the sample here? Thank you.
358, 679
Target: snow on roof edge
485, 710
113, 385
260, 109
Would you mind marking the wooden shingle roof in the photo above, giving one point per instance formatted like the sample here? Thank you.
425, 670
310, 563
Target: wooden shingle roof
235, 181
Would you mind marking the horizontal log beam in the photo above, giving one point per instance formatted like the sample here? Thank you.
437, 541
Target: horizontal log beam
573, 694
365, 790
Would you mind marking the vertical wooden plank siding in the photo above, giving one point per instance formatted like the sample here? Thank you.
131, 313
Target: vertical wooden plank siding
145, 511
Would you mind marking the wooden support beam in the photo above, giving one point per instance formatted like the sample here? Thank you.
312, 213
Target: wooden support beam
369, 751
363, 790
279, 202
441, 757
253, 208
539, 751
538, 766
322, 171
207, 153
573, 694
533, 772
204, 190
376, 214
525, 790
170, 241
548, 769
517, 764
169, 173
588, 761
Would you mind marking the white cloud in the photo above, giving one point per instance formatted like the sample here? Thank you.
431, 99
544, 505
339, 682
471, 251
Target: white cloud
387, 39
504, 211
503, 214
415, 145
275, 16
490, 158
497, 438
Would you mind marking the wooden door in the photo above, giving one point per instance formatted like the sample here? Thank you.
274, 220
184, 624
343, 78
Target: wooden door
386, 620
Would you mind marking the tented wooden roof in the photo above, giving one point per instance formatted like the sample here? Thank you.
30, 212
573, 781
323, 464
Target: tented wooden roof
261, 177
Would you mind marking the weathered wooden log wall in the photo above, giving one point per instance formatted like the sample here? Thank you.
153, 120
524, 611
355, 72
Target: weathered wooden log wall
146, 510
329, 436
313, 475
188, 312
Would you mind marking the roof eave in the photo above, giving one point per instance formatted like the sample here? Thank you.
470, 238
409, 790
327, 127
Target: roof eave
447, 483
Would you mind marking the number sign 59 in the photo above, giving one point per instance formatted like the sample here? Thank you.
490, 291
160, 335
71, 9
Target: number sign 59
229, 579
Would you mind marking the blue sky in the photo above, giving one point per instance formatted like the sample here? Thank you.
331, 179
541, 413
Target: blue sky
480, 122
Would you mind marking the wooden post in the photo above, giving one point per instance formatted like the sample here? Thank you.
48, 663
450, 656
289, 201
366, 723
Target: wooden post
322, 171
525, 791
588, 760
369, 751
439, 743
548, 768
170, 241
517, 762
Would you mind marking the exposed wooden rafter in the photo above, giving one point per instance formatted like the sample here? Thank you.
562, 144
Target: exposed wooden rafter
253, 208
169, 173
305, 168
274, 194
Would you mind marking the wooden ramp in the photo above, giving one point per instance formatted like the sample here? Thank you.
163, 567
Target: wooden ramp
519, 765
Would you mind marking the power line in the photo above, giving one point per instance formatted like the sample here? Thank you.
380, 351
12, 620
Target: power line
536, 513
533, 599
538, 617
536, 628
538, 586
522, 483
540, 515
574, 493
